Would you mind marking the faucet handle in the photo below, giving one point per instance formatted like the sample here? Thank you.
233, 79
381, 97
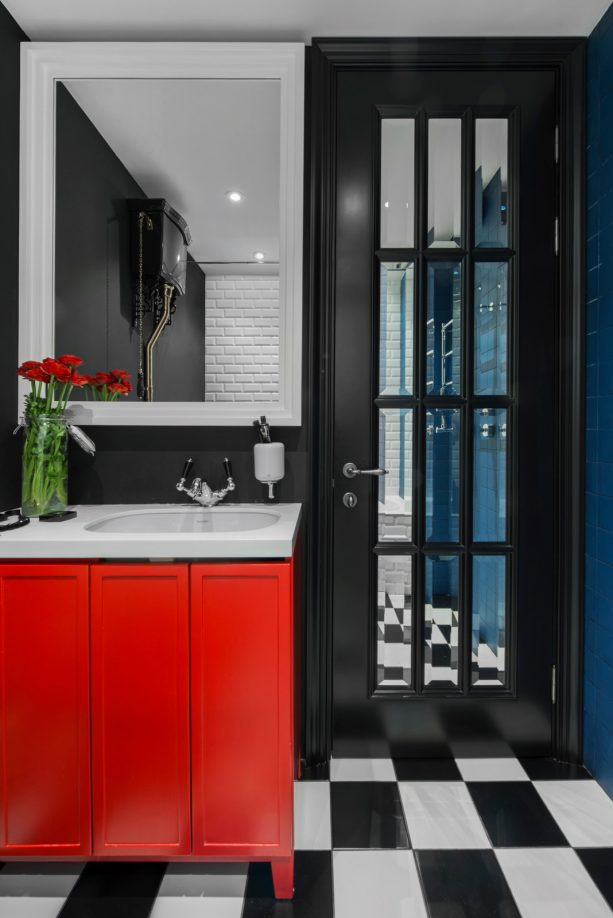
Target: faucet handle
186, 469
228, 467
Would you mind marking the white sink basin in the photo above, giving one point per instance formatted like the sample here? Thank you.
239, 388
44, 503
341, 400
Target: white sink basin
186, 519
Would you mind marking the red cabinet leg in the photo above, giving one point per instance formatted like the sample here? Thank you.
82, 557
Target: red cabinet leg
283, 878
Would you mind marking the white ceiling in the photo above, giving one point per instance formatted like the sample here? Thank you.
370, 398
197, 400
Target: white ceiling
191, 141
298, 20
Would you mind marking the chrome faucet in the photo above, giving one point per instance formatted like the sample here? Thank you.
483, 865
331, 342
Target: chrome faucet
200, 490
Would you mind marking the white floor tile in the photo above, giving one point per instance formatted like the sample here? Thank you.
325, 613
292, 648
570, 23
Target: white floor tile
201, 891
219, 880
362, 770
174, 907
35, 890
551, 883
368, 884
582, 809
491, 770
312, 828
42, 907
441, 815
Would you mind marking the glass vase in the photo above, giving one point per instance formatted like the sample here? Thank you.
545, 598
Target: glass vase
44, 482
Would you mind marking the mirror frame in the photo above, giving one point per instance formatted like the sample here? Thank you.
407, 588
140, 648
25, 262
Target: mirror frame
45, 63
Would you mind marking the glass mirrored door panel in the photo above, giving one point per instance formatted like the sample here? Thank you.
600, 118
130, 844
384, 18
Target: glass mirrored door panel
491, 182
443, 403
397, 183
444, 182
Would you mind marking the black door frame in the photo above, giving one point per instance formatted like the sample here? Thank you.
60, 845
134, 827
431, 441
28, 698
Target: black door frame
566, 59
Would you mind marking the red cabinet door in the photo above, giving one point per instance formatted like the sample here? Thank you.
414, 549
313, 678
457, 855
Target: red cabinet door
140, 709
44, 710
242, 709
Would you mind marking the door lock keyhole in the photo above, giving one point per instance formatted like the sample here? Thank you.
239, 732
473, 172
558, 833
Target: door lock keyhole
350, 500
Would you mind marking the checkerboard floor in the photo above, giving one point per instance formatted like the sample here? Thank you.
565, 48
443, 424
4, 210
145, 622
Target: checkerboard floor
403, 838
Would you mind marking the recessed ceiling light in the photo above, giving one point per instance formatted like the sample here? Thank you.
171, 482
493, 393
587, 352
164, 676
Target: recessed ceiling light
387, 204
234, 196
259, 256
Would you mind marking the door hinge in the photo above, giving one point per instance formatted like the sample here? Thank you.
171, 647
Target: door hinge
556, 145
554, 684
556, 236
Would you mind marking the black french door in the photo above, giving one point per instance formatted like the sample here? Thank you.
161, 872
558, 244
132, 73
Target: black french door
444, 401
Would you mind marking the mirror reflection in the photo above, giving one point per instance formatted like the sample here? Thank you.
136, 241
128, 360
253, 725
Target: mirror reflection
444, 182
167, 235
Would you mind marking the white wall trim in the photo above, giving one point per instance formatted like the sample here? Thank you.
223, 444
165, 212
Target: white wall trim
44, 63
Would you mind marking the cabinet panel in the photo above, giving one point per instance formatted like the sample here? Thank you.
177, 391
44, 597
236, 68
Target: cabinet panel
242, 709
140, 709
44, 714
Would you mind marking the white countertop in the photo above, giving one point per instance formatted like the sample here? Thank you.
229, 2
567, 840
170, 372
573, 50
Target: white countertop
72, 538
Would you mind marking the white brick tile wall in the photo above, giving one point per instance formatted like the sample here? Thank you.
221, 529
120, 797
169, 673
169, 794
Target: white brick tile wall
242, 339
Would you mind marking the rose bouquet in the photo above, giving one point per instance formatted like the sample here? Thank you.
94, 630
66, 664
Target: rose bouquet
44, 484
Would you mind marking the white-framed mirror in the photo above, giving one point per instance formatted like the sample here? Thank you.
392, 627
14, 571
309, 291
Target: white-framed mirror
199, 145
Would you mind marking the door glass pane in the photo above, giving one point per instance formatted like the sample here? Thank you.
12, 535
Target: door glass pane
441, 621
397, 183
443, 475
489, 621
396, 488
491, 182
443, 331
444, 182
394, 621
397, 291
491, 349
490, 475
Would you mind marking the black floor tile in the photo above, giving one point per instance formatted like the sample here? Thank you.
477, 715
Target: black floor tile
313, 897
514, 815
367, 814
465, 884
427, 770
120, 890
599, 864
551, 769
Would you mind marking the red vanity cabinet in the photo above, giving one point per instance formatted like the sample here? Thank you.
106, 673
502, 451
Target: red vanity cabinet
148, 711
242, 713
140, 708
44, 710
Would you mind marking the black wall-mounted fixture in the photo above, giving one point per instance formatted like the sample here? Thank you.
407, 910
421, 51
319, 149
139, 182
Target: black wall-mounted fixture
158, 253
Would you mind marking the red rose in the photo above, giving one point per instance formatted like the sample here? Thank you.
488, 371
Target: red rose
37, 374
120, 374
70, 360
103, 379
28, 365
121, 388
78, 380
54, 368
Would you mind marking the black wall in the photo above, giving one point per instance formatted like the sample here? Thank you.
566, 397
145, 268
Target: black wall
94, 296
10, 37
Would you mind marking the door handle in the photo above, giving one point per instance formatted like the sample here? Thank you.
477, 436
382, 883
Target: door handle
350, 470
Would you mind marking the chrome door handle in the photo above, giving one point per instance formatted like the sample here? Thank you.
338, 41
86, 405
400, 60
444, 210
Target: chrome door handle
350, 470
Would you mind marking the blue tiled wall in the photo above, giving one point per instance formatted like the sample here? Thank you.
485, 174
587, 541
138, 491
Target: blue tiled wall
598, 699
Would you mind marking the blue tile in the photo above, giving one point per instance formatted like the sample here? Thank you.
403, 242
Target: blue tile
591, 413
593, 283
591, 541
604, 471
591, 348
605, 311
605, 413
604, 579
591, 380
593, 220
604, 512
605, 378
592, 244
605, 445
